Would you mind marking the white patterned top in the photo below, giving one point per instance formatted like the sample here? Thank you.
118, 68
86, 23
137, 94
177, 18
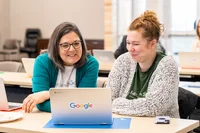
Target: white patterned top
162, 93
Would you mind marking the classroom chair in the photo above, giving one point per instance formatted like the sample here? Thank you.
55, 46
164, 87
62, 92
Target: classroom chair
10, 66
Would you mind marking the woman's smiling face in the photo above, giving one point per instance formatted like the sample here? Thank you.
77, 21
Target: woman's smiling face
73, 54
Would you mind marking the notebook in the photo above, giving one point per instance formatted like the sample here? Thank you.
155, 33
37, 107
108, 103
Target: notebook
81, 106
104, 57
189, 60
28, 64
4, 104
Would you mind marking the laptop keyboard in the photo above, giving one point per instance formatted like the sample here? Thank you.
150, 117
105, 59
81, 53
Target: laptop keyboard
14, 105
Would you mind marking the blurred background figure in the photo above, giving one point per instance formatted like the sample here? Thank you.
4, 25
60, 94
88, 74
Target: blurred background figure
196, 45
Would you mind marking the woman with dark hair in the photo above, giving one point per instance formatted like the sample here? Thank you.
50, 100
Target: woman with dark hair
122, 48
65, 64
144, 82
196, 45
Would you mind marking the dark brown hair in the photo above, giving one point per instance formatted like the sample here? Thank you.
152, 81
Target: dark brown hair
61, 30
148, 21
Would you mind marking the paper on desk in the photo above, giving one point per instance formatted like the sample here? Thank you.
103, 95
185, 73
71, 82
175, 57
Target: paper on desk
190, 84
10, 116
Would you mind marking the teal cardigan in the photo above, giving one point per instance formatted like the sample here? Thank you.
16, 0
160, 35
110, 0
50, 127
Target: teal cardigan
45, 76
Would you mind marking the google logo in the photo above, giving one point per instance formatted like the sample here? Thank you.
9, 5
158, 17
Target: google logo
85, 106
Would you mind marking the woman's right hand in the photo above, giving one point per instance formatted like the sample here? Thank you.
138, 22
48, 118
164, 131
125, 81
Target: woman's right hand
31, 100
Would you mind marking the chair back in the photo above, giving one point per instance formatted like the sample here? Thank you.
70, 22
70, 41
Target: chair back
101, 82
10, 66
31, 37
11, 44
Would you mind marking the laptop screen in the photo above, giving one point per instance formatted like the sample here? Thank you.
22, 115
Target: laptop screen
189, 60
28, 64
4, 105
104, 57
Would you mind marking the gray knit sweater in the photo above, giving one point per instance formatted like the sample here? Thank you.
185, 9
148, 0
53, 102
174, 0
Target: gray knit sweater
162, 93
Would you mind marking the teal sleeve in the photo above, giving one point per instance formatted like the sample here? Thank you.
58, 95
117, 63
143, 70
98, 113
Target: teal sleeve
45, 106
41, 80
90, 75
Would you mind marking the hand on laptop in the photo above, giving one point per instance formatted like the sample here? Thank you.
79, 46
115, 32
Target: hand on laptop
31, 100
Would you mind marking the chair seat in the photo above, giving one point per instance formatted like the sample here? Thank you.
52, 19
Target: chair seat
26, 49
9, 51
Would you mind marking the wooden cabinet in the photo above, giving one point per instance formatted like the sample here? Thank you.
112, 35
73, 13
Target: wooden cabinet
42, 44
94, 44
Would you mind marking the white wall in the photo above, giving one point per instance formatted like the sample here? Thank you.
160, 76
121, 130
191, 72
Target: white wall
198, 9
4, 21
88, 15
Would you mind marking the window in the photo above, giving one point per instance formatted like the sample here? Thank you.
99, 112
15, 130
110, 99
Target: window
184, 13
127, 11
124, 15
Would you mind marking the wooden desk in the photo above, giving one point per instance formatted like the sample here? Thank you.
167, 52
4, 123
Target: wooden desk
189, 71
105, 68
183, 72
34, 123
22, 79
16, 78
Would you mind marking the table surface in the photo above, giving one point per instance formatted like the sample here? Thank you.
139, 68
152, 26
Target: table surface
189, 71
107, 68
16, 78
22, 79
35, 121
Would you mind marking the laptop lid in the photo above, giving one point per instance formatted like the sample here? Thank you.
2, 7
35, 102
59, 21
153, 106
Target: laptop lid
189, 60
81, 106
28, 65
104, 57
4, 105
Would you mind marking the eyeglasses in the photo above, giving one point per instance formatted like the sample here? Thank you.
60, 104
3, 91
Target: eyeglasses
66, 46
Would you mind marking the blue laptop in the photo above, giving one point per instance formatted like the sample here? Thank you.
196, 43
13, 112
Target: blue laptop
81, 106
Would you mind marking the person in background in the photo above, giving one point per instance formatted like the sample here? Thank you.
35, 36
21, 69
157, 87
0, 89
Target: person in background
144, 82
122, 48
66, 64
196, 45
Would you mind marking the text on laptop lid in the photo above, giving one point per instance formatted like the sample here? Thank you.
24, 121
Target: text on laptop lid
81, 105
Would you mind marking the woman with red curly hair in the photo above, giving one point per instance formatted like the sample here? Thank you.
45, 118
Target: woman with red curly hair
144, 82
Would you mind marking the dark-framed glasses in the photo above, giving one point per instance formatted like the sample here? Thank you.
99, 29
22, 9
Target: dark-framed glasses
66, 46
